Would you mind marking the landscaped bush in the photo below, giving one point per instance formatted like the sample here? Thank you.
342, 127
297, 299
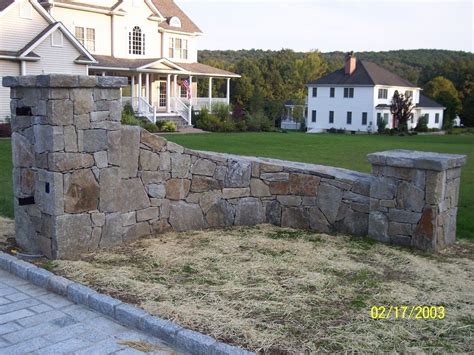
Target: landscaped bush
258, 123
381, 125
222, 111
422, 125
150, 127
169, 126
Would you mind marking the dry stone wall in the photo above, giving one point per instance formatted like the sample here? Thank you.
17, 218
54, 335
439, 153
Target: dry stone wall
83, 181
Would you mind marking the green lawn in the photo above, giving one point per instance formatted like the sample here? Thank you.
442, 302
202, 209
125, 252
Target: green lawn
343, 151
335, 150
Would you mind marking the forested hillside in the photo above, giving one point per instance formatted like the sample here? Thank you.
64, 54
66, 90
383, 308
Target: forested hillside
271, 77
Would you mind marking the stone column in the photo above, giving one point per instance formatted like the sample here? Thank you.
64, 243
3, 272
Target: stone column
414, 198
66, 137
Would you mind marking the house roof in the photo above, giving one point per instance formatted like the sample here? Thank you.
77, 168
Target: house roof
141, 64
5, 3
169, 9
427, 102
365, 74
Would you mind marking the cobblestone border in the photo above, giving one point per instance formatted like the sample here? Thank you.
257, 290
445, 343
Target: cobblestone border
181, 338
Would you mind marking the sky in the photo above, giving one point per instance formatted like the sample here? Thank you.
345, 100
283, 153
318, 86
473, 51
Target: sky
330, 25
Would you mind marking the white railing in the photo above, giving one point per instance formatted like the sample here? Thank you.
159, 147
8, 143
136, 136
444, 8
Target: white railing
182, 108
203, 102
141, 107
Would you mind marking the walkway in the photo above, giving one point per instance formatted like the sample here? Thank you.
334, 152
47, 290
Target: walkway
33, 320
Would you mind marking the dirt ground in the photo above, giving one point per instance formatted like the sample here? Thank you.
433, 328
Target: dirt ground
283, 291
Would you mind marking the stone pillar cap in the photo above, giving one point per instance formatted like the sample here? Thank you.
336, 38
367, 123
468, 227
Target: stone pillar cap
64, 81
417, 160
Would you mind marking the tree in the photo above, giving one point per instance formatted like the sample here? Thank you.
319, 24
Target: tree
467, 113
443, 91
401, 107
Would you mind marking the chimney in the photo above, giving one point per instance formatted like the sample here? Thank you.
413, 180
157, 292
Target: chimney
351, 62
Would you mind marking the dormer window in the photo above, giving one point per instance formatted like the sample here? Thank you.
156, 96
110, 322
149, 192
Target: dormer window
136, 41
175, 22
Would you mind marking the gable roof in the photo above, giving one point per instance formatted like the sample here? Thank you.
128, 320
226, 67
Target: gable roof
5, 3
169, 9
427, 102
365, 74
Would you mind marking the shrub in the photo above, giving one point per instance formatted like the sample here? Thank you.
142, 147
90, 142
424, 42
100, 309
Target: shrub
209, 123
169, 126
258, 123
130, 120
128, 110
381, 124
160, 125
422, 125
150, 127
221, 110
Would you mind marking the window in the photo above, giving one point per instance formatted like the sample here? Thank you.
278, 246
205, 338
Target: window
348, 92
364, 118
408, 93
178, 48
184, 92
349, 118
315, 92
427, 117
379, 116
332, 92
26, 10
87, 37
437, 118
383, 93
136, 41
313, 116
57, 39
412, 118
331, 116
175, 22
385, 117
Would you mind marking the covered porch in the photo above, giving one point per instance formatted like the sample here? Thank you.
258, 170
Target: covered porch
161, 90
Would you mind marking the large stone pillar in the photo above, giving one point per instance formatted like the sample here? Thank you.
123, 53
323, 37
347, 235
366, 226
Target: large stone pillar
66, 138
414, 198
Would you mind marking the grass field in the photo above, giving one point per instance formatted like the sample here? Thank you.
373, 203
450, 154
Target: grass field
344, 151
6, 191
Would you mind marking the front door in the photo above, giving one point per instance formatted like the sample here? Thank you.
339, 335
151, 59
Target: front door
162, 100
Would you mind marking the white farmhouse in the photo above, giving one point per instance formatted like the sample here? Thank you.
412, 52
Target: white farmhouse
152, 42
354, 97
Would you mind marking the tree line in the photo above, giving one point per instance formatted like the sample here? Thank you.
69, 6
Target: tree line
269, 78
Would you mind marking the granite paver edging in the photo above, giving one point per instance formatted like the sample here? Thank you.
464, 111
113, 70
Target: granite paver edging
126, 314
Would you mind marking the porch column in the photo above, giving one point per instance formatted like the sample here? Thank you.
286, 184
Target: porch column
132, 90
140, 84
210, 94
147, 88
168, 93
228, 91
103, 73
175, 89
190, 88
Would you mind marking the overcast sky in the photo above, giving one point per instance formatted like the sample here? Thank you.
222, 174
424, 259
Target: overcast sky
328, 25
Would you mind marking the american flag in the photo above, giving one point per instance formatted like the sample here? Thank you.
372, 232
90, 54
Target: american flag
188, 89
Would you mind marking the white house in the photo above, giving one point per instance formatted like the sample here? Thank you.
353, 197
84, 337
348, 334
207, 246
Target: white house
152, 42
32, 42
352, 98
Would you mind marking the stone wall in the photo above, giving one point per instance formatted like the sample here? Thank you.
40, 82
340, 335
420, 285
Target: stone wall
83, 181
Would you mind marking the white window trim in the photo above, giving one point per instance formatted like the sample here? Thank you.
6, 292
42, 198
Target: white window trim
61, 37
178, 54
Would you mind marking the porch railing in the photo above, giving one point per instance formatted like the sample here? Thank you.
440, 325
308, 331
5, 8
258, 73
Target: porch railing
181, 108
203, 102
141, 107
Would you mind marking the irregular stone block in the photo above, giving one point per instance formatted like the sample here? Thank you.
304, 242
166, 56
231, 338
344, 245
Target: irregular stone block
81, 192
101, 160
49, 194
60, 112
355, 223
259, 189
69, 161
185, 217
272, 212
290, 200
304, 185
130, 151
272, 177
279, 188
204, 167
318, 221
148, 214
22, 152
383, 189
113, 230
129, 219
410, 197
177, 189
70, 139
328, 200
238, 174
395, 228
73, 235
220, 214
156, 190
435, 187
295, 218
94, 140
98, 219
114, 143
269, 168
180, 165
235, 193
204, 183
249, 212
137, 231
83, 101
49, 138
209, 199
424, 236
402, 216
165, 161
149, 160
134, 196
110, 190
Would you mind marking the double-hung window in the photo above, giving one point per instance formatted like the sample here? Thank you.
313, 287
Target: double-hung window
87, 37
313, 116
331, 116
349, 118
364, 118
315, 92
349, 93
178, 48
437, 118
383, 93
332, 92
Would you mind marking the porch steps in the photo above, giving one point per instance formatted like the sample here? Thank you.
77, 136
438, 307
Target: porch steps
180, 121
